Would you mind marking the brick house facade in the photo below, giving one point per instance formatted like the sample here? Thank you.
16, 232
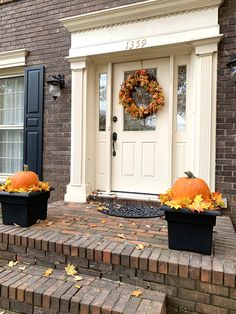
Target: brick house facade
36, 27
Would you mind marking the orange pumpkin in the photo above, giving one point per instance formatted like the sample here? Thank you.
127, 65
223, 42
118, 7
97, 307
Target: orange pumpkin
190, 187
24, 179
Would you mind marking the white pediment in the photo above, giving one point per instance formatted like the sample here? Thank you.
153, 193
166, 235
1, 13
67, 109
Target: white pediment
151, 23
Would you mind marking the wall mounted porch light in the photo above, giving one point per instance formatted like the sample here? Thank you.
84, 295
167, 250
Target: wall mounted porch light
232, 65
55, 82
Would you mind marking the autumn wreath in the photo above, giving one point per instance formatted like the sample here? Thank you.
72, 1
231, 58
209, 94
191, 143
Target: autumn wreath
148, 82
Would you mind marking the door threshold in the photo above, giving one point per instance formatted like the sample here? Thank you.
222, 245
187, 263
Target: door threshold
127, 196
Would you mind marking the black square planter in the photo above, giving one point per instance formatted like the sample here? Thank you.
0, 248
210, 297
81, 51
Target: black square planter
190, 231
24, 209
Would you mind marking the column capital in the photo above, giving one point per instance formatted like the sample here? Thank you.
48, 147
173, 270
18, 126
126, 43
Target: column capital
206, 46
78, 63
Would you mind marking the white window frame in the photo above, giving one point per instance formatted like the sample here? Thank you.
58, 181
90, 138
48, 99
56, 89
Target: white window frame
12, 64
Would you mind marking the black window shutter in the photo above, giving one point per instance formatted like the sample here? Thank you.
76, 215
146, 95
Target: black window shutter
33, 118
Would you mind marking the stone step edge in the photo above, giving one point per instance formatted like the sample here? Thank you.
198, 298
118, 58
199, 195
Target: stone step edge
169, 262
28, 291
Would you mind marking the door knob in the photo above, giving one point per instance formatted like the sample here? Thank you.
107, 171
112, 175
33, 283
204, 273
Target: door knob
114, 119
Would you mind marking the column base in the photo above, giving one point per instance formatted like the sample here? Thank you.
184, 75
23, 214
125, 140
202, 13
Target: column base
76, 193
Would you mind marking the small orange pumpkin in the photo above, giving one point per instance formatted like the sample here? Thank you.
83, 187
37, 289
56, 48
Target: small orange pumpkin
24, 179
190, 187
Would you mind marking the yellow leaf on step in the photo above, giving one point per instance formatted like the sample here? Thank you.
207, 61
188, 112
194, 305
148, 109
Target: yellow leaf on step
103, 221
121, 236
136, 293
140, 246
78, 278
70, 270
12, 263
100, 208
22, 268
48, 272
49, 223
77, 286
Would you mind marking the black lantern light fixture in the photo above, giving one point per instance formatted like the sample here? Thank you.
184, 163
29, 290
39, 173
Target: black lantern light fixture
232, 65
55, 82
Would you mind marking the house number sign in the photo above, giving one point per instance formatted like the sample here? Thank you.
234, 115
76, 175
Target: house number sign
135, 44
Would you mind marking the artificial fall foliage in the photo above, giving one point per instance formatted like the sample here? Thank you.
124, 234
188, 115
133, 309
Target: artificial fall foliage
143, 80
7, 187
214, 202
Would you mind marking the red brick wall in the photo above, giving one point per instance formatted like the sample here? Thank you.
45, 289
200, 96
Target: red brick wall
35, 26
226, 109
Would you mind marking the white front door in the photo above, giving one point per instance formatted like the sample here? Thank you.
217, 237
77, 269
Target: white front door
142, 161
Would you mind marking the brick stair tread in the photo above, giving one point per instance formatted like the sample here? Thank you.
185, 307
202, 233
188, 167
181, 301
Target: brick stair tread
29, 291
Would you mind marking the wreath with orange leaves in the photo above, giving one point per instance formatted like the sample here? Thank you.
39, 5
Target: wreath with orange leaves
147, 81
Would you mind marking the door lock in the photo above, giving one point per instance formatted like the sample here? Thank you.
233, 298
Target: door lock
114, 119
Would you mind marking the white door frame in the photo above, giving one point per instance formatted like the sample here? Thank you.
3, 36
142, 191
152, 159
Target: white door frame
111, 39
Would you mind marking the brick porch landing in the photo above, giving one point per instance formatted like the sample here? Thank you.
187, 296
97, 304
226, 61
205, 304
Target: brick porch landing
85, 219
105, 247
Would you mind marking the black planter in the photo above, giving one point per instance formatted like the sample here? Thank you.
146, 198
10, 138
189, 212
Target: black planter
24, 209
190, 231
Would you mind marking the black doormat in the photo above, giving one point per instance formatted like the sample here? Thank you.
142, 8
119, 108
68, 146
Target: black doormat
131, 211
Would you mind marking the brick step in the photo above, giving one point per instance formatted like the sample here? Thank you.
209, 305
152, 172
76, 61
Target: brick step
30, 291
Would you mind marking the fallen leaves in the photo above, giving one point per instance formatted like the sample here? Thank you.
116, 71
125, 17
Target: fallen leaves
140, 247
70, 270
103, 221
17, 226
93, 226
101, 208
136, 293
49, 223
121, 236
78, 278
48, 272
22, 268
77, 286
12, 263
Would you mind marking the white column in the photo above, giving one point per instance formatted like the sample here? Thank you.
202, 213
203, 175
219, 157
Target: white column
76, 189
204, 111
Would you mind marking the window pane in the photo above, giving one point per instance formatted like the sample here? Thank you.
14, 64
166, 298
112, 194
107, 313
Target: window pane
181, 98
102, 101
11, 150
12, 101
142, 98
11, 115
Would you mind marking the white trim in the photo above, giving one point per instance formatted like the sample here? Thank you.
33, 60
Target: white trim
15, 58
136, 11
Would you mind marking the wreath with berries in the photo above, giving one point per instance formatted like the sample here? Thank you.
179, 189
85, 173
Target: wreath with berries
148, 82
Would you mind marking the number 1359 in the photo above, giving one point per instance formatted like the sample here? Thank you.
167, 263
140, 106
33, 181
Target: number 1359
135, 44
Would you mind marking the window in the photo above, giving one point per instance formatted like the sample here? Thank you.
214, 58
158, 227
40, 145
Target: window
102, 101
181, 97
11, 123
